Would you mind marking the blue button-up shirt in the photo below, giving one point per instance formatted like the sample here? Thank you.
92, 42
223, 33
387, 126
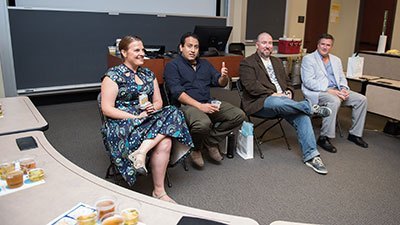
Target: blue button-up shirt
331, 76
180, 77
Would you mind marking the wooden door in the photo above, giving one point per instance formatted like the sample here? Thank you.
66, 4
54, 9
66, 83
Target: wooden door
370, 23
317, 18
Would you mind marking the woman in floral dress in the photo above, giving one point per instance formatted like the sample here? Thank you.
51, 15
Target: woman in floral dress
132, 131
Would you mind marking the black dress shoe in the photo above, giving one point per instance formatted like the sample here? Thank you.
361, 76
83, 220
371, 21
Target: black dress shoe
357, 140
326, 144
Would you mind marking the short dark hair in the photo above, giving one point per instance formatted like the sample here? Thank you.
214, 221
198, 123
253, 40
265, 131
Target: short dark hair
186, 35
326, 36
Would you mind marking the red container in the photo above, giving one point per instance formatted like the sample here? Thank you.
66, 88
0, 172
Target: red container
289, 45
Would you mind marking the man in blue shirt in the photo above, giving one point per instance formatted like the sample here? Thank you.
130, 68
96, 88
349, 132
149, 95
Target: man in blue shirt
324, 83
189, 79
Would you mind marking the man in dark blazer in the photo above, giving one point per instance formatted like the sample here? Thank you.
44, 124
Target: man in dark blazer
267, 92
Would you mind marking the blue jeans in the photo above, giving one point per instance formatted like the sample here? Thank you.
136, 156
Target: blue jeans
298, 115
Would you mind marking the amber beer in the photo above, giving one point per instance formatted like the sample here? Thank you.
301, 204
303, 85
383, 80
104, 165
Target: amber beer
26, 164
112, 219
15, 178
104, 206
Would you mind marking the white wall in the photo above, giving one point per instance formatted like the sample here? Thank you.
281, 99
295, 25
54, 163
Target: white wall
396, 29
2, 95
295, 8
187, 7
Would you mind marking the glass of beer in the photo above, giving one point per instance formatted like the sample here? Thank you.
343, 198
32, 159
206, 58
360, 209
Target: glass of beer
131, 216
112, 218
27, 163
104, 205
36, 174
6, 167
87, 219
15, 179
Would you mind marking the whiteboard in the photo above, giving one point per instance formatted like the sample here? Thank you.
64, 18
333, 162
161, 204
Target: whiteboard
182, 7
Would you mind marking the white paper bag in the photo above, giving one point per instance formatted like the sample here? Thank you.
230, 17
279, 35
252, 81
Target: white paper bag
244, 146
355, 67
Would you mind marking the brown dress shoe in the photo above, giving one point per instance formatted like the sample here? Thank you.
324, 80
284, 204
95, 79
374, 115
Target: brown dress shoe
197, 159
214, 153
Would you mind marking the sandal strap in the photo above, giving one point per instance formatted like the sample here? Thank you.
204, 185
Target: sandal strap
159, 196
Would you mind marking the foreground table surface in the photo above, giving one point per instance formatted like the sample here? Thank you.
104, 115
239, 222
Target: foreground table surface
67, 184
20, 115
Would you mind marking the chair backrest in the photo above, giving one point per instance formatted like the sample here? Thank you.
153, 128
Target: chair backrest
236, 48
240, 92
168, 97
102, 117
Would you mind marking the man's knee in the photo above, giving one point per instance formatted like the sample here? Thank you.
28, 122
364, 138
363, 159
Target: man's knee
334, 103
200, 127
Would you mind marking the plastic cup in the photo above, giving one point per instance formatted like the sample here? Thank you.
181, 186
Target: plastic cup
36, 174
131, 216
105, 205
5, 168
112, 50
216, 103
27, 163
87, 219
15, 179
112, 218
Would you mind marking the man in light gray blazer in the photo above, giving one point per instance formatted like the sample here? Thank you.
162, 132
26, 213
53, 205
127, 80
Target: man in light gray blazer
324, 83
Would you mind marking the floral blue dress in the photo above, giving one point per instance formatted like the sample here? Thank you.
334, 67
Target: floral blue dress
125, 136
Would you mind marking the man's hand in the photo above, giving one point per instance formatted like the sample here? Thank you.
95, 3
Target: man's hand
281, 95
343, 94
208, 108
224, 70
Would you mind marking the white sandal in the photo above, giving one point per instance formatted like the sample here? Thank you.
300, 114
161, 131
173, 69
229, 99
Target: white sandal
163, 195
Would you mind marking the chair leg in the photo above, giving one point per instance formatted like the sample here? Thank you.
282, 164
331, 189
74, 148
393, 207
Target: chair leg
284, 135
339, 126
258, 147
184, 164
169, 184
112, 172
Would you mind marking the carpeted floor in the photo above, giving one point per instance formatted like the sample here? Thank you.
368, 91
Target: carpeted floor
362, 186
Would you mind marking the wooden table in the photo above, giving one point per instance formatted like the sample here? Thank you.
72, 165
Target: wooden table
20, 115
67, 184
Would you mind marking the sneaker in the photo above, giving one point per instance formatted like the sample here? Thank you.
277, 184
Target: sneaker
317, 165
321, 111
197, 159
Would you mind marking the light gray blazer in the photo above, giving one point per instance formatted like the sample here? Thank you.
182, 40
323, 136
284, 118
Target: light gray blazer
315, 78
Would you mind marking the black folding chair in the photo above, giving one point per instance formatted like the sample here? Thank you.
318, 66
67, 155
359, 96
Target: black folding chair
277, 119
167, 101
112, 170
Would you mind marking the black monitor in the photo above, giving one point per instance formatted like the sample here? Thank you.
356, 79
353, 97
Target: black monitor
212, 39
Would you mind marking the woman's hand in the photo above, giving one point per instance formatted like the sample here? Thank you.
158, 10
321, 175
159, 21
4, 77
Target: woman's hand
142, 115
149, 108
